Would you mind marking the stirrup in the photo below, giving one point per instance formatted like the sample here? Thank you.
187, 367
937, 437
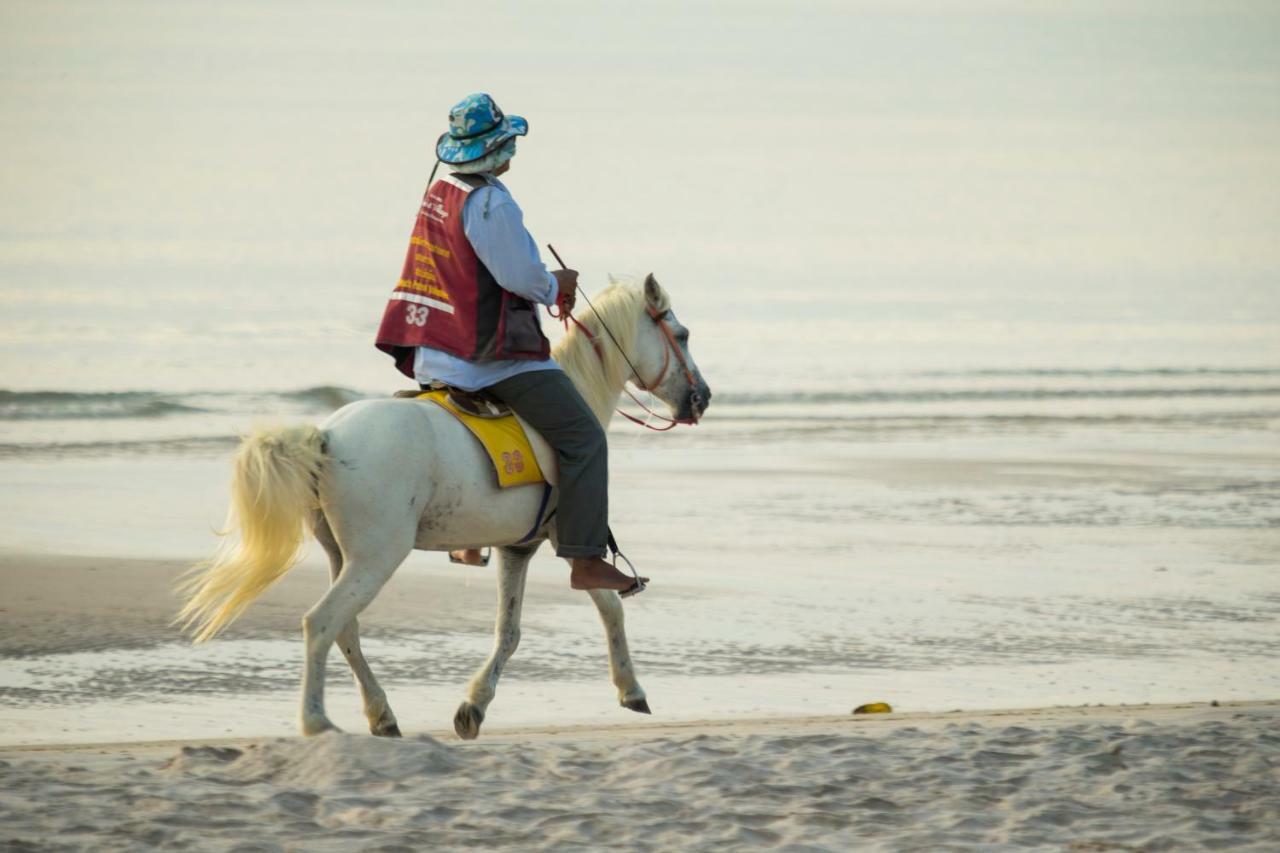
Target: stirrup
637, 586
635, 589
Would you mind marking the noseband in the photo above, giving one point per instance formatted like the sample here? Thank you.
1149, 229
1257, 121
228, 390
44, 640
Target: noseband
660, 319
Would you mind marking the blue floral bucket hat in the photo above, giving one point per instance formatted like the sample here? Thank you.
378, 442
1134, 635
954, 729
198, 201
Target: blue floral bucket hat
476, 128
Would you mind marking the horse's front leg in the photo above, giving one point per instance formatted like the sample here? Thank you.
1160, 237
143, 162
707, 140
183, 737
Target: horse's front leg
484, 684
630, 693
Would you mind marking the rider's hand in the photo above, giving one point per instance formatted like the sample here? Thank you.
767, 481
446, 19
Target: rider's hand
567, 281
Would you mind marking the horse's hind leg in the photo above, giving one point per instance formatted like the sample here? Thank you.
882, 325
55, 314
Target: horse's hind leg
484, 684
382, 721
364, 573
630, 693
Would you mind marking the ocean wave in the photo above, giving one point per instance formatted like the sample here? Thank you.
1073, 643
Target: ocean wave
776, 426
906, 390
71, 405
972, 386
326, 397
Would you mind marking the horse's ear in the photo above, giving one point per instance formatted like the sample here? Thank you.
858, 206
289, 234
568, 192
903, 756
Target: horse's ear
652, 291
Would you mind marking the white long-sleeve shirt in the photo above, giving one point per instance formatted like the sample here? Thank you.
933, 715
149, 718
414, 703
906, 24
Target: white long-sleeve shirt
494, 225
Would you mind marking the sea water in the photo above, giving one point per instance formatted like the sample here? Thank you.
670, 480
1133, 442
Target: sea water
994, 338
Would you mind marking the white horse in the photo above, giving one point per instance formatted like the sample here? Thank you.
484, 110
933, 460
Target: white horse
382, 477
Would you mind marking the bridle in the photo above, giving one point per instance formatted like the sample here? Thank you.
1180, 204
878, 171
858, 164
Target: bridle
671, 345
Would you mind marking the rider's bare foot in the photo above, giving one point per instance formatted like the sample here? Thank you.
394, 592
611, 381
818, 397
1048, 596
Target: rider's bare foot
595, 573
468, 557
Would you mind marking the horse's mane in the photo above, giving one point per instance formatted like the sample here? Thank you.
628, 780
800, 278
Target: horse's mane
618, 306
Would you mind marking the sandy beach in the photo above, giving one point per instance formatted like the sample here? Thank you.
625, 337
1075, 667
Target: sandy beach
1123, 778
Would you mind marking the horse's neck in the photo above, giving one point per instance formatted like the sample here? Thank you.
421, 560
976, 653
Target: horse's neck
602, 398
599, 382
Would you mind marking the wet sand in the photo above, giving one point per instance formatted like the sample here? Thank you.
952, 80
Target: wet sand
926, 617
58, 604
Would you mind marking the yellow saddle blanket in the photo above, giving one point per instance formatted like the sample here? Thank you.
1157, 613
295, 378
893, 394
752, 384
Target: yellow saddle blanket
503, 438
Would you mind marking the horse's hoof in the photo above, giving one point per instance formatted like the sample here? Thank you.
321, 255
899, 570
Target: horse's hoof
318, 726
467, 721
384, 724
640, 706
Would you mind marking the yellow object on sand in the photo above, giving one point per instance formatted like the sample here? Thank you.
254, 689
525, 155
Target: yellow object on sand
873, 708
503, 439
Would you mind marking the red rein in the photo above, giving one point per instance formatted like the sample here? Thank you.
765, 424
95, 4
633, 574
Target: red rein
672, 346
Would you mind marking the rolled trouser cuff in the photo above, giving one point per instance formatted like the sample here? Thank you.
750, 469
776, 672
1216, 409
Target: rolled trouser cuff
573, 552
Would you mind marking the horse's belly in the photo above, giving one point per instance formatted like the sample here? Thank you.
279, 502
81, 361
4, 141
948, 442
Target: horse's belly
467, 508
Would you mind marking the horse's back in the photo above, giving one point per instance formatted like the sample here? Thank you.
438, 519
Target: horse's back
378, 421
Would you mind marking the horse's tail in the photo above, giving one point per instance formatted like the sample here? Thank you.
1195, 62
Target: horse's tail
275, 482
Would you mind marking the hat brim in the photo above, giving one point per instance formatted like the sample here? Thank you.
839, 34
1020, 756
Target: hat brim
458, 151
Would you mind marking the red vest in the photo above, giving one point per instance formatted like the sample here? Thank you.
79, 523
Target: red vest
447, 299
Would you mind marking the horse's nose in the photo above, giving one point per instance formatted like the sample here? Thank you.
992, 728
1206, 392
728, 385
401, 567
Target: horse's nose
704, 397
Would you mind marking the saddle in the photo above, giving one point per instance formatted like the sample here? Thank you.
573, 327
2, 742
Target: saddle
477, 404
520, 456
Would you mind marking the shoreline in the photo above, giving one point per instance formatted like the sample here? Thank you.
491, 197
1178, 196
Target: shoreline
825, 724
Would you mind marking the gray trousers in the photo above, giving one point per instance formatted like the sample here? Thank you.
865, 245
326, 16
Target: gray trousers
552, 406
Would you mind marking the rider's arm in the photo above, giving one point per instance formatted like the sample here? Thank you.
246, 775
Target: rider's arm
495, 228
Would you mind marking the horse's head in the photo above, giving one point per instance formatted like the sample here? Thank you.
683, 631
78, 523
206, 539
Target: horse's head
630, 335
662, 362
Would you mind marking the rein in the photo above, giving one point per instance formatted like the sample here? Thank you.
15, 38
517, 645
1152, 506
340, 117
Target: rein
659, 319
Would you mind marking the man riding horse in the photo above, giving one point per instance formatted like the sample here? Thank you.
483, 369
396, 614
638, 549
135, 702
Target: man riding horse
464, 315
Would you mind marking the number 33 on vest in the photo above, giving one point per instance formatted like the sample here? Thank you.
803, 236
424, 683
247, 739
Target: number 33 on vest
416, 315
